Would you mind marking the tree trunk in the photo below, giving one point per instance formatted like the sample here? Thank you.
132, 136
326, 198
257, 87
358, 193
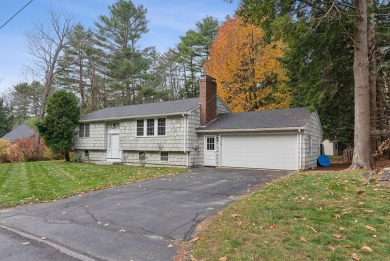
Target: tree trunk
372, 74
362, 157
67, 157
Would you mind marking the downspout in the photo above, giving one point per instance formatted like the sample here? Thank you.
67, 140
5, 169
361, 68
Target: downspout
300, 149
185, 139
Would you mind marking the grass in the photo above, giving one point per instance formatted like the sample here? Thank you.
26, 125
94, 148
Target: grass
26, 183
336, 159
305, 216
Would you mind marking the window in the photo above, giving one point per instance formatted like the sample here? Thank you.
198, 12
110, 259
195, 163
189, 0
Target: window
86, 153
164, 156
81, 130
141, 156
84, 130
161, 126
210, 143
140, 127
150, 127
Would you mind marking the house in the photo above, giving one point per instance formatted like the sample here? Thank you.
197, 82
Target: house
331, 148
19, 133
201, 132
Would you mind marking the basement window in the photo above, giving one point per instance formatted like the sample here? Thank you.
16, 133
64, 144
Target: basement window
164, 156
86, 153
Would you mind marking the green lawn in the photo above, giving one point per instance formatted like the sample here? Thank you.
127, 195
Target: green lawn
24, 183
305, 216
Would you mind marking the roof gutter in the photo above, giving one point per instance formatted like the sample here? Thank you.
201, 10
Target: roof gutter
136, 116
250, 130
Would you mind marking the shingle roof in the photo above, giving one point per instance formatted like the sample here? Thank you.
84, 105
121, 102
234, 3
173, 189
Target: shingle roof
281, 118
147, 109
20, 132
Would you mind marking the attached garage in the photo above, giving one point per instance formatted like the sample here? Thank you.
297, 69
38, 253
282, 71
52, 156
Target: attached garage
284, 139
260, 151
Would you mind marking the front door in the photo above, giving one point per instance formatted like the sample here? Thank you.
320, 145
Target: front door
113, 146
209, 151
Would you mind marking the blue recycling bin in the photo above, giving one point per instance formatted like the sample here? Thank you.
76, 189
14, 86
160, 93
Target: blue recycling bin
323, 161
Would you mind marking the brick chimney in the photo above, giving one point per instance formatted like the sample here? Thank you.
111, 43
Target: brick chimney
208, 99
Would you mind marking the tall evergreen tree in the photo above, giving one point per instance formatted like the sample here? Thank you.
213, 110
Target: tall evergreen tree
124, 63
193, 51
6, 117
26, 100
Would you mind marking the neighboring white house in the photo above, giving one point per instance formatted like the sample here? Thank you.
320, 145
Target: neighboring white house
331, 148
201, 132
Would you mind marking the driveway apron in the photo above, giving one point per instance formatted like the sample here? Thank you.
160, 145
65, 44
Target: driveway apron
140, 221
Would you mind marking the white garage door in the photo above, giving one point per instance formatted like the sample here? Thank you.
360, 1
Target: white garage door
260, 151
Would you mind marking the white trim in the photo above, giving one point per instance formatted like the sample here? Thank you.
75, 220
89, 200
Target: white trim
219, 149
205, 150
250, 130
137, 117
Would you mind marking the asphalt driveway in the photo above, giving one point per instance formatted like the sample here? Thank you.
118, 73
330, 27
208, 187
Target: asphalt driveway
131, 222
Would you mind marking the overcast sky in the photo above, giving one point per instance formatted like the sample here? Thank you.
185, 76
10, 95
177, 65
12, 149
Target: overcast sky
168, 20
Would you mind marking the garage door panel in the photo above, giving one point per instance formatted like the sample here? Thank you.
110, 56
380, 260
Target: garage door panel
260, 151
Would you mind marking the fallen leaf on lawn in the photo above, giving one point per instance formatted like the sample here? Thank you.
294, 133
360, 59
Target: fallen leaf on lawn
220, 213
367, 249
376, 189
239, 223
303, 239
332, 248
337, 236
170, 246
315, 231
272, 226
375, 236
194, 239
355, 257
360, 192
369, 210
361, 203
371, 228
342, 228
336, 216
122, 231
202, 239
224, 258
235, 215
193, 258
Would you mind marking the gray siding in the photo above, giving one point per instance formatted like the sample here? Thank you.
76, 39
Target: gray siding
313, 131
97, 139
172, 141
221, 107
94, 155
154, 157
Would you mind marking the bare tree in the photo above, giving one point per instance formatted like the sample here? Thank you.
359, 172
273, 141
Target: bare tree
45, 44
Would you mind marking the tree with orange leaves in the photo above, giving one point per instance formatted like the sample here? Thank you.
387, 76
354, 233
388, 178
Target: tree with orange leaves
248, 70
